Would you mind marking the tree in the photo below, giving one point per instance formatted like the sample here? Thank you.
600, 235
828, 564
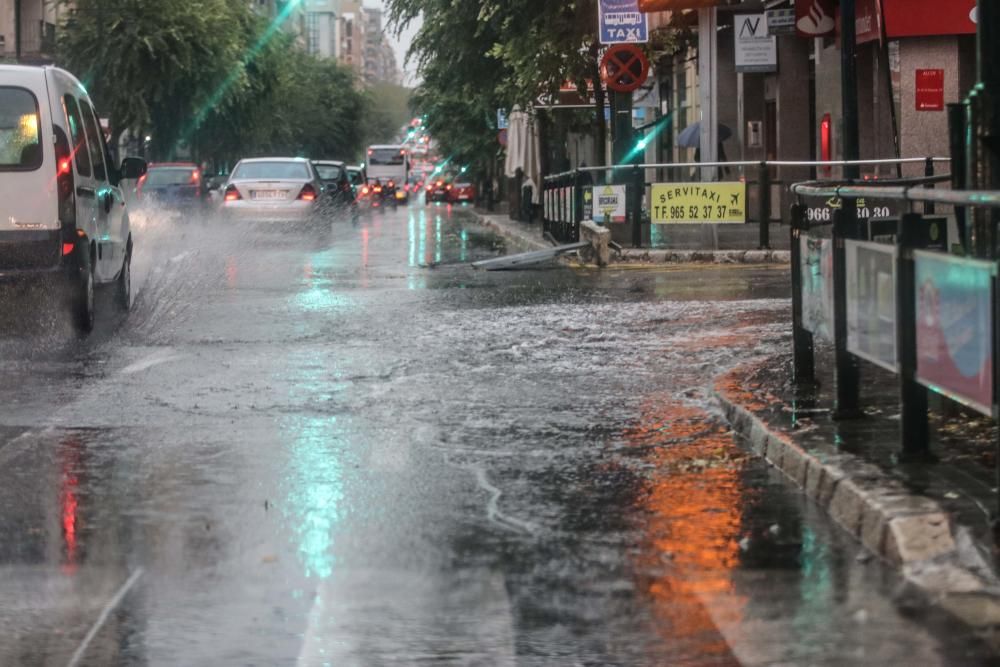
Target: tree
151, 64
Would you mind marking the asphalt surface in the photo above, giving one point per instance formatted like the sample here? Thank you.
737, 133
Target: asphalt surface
340, 445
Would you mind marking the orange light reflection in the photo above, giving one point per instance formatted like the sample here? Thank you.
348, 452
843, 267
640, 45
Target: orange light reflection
693, 506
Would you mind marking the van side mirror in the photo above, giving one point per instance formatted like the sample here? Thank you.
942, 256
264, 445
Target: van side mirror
133, 168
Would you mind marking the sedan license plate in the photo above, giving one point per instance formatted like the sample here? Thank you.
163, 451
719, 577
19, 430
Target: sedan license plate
267, 195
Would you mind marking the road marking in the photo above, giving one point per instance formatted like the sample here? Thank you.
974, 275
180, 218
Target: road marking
155, 359
102, 619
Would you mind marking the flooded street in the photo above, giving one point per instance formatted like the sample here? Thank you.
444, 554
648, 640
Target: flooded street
338, 444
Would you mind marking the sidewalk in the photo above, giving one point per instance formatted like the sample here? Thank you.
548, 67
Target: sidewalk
529, 237
930, 520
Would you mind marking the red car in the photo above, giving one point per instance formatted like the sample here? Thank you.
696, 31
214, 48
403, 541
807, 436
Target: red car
462, 193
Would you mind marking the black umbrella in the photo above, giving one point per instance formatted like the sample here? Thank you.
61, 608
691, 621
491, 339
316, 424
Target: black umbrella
690, 136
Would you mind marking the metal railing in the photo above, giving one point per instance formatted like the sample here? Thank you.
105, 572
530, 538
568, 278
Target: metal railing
563, 193
941, 302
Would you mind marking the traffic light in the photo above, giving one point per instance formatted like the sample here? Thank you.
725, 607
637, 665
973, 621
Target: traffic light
676, 5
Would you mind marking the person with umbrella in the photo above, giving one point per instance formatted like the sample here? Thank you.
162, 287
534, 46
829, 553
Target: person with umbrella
690, 137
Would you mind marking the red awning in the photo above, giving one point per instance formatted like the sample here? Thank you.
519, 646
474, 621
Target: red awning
925, 18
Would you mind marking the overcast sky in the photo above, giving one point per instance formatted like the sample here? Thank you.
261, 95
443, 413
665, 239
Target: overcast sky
401, 44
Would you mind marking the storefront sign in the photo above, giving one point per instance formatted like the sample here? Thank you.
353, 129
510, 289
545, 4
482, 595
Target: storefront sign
930, 89
925, 18
868, 21
699, 202
756, 49
815, 18
609, 203
817, 286
871, 302
955, 327
782, 21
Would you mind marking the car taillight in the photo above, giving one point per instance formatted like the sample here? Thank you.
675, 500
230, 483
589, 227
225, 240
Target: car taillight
392, 184
68, 248
378, 188
65, 185
430, 188
195, 177
448, 187
308, 193
364, 190
232, 194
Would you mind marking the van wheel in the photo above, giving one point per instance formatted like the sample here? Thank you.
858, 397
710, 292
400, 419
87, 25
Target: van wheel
123, 286
83, 297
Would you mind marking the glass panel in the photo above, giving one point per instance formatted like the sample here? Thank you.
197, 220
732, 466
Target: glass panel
20, 147
268, 170
76, 130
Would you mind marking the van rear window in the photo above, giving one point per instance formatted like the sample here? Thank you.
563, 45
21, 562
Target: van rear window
20, 144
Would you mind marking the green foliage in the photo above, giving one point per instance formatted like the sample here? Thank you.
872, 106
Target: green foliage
214, 75
390, 110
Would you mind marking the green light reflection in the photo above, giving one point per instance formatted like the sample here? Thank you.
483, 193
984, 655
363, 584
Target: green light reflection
437, 240
316, 495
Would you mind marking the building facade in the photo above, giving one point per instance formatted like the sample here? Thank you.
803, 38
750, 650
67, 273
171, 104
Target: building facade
35, 41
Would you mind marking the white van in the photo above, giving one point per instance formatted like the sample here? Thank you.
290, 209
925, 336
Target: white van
62, 214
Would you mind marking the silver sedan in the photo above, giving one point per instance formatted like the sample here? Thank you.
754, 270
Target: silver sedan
272, 189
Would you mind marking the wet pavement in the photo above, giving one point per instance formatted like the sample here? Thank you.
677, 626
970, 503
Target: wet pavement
340, 445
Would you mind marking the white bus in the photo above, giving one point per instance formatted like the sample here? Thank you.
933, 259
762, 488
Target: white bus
390, 165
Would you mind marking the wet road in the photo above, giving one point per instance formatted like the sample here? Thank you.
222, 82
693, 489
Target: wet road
340, 445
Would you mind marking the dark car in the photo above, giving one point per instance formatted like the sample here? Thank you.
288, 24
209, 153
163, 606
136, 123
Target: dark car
337, 192
438, 190
172, 185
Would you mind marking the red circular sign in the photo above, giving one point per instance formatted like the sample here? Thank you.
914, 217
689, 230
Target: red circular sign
624, 68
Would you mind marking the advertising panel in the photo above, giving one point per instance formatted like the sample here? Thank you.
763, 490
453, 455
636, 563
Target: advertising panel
817, 286
756, 49
609, 203
955, 327
871, 302
699, 202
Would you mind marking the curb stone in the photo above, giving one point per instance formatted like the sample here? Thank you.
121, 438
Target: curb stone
640, 255
911, 532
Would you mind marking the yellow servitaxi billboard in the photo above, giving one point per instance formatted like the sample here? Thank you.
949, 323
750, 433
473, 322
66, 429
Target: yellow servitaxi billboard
699, 202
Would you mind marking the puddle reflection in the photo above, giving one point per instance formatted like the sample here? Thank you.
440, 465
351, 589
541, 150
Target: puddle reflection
693, 503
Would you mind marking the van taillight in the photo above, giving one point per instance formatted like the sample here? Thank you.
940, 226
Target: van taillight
65, 186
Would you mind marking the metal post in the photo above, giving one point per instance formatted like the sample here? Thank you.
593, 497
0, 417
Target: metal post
983, 159
638, 192
804, 366
577, 202
845, 220
929, 172
913, 429
764, 196
959, 175
622, 124
546, 222
708, 86
849, 86
848, 378
17, 30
